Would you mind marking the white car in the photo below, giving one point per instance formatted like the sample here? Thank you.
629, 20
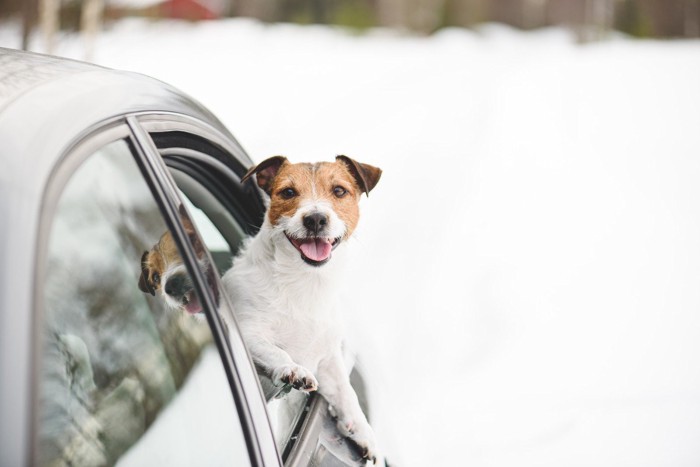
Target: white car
96, 165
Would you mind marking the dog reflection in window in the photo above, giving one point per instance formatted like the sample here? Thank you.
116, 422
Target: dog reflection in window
164, 274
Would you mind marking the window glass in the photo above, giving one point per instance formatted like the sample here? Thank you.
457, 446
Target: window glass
128, 372
223, 236
221, 232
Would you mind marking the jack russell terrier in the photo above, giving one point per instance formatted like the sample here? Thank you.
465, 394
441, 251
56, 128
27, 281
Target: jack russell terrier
282, 283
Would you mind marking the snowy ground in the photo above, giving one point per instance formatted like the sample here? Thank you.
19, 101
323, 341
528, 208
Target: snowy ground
529, 265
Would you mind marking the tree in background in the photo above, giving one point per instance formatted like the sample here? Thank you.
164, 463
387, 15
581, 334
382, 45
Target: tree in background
423, 16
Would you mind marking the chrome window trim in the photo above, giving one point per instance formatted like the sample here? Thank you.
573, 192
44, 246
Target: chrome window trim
311, 427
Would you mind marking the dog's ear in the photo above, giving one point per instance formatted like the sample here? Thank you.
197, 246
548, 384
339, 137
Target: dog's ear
144, 284
190, 231
366, 176
185, 218
266, 171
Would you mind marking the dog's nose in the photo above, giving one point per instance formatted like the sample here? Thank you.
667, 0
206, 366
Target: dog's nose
175, 284
315, 222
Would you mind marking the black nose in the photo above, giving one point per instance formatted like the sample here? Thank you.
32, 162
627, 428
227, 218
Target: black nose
315, 222
175, 284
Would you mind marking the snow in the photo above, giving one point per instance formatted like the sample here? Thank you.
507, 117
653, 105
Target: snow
527, 272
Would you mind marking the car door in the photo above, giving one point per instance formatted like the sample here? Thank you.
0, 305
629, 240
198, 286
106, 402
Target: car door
207, 168
123, 377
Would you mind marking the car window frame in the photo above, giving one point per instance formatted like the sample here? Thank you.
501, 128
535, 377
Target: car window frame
178, 150
218, 149
186, 160
146, 125
180, 154
151, 167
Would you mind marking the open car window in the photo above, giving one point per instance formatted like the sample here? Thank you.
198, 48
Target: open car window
225, 215
126, 375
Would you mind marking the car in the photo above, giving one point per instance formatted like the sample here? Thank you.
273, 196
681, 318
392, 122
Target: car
97, 165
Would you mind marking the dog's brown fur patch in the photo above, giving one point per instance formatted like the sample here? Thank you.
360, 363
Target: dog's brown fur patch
165, 252
155, 262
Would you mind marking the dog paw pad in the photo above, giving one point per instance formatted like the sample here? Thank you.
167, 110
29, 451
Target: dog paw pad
296, 376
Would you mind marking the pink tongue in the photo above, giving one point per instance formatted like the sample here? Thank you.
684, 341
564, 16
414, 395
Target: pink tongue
316, 249
193, 306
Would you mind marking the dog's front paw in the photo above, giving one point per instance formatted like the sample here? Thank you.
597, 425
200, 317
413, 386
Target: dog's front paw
295, 375
362, 435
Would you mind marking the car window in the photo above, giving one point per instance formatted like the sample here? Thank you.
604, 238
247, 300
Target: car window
284, 406
127, 373
223, 232
220, 231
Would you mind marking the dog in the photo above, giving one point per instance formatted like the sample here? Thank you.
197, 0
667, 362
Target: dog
164, 273
283, 283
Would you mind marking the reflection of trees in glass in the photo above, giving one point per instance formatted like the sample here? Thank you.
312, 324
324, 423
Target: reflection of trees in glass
113, 356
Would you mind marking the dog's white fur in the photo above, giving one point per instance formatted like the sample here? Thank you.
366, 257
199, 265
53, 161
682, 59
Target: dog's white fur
287, 314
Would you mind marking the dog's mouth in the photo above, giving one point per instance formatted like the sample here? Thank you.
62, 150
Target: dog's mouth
315, 250
191, 303
181, 293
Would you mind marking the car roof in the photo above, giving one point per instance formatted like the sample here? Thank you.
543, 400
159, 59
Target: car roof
47, 99
47, 105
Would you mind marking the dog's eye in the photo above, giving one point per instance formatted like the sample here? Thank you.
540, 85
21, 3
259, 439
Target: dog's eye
339, 191
288, 193
156, 278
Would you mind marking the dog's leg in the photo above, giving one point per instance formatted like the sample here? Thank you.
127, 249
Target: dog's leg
281, 367
334, 385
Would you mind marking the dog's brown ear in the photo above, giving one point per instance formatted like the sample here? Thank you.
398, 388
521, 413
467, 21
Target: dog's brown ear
194, 238
366, 176
185, 218
144, 284
266, 172
190, 230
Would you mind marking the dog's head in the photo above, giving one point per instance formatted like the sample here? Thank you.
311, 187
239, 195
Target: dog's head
315, 206
164, 273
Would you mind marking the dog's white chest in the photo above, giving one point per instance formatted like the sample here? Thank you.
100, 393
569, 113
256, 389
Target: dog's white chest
302, 320
288, 308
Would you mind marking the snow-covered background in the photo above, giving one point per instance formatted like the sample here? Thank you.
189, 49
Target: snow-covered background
529, 265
